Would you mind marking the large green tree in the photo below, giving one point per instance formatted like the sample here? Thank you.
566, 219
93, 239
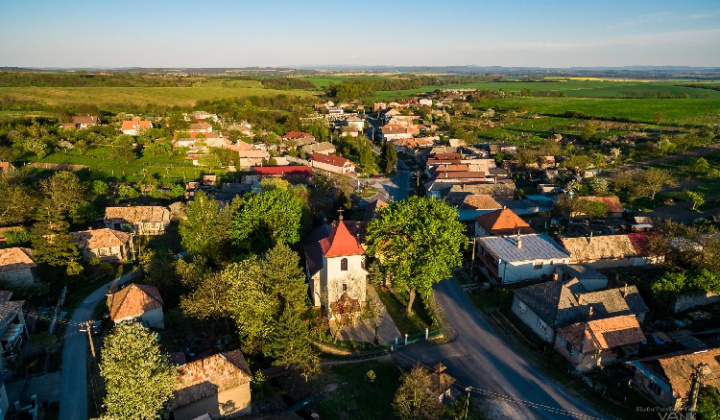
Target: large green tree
418, 241
206, 231
652, 181
388, 157
265, 219
708, 405
138, 378
18, 203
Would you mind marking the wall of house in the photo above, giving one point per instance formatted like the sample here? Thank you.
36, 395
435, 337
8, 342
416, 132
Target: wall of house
152, 228
584, 362
514, 272
613, 263
332, 168
333, 279
479, 231
689, 301
665, 399
153, 319
315, 290
20, 277
234, 402
529, 317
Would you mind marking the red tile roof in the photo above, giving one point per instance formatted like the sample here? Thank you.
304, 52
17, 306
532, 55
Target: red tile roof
331, 160
133, 301
12, 259
603, 334
641, 241
282, 170
503, 221
340, 243
101, 238
135, 124
297, 135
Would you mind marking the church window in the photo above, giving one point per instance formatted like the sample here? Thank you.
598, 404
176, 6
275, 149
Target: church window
344, 264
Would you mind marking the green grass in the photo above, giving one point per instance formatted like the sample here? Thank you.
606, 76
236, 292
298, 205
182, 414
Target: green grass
142, 96
103, 165
355, 398
395, 304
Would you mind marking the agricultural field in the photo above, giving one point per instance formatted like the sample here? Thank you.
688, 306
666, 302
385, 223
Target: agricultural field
142, 96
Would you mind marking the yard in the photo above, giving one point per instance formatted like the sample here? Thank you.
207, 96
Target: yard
396, 301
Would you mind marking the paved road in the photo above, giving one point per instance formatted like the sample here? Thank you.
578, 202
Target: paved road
479, 358
73, 401
393, 189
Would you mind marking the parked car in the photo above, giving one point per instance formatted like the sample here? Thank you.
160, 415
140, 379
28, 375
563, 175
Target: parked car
96, 328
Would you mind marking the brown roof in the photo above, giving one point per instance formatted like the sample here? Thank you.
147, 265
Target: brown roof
599, 247
101, 238
133, 301
291, 135
503, 221
340, 243
200, 126
85, 119
6, 167
679, 369
135, 124
331, 160
479, 202
209, 376
12, 259
613, 203
442, 156
603, 334
138, 214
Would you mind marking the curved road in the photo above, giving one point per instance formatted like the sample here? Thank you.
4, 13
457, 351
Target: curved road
479, 358
73, 397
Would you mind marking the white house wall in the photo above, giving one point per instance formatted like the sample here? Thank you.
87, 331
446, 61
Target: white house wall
529, 317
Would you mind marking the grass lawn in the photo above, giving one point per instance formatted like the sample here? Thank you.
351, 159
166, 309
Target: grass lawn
355, 397
395, 303
142, 96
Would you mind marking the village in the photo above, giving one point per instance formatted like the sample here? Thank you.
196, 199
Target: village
535, 232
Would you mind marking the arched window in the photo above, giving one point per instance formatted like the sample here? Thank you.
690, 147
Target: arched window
344, 264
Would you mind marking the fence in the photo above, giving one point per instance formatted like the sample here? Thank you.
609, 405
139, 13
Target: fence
415, 338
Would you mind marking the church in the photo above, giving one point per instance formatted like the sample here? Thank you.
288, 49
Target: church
335, 264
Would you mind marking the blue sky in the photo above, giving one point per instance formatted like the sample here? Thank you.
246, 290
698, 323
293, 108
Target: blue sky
79, 33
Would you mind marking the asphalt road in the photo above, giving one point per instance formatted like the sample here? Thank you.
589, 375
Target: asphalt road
73, 400
393, 189
479, 358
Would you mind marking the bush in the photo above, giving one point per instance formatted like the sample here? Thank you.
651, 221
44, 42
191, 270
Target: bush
17, 237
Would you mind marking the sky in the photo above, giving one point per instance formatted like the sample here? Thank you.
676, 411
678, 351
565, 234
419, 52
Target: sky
271, 33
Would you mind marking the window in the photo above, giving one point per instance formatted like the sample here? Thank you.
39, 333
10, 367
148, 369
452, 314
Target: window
542, 325
344, 264
652, 386
344, 287
537, 265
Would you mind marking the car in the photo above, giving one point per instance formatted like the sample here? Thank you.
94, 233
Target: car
96, 328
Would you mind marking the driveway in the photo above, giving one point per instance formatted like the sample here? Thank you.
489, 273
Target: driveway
479, 358
73, 401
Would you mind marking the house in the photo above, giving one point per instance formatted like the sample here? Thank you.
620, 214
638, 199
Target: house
16, 266
292, 174
476, 205
141, 220
501, 222
13, 330
512, 259
201, 127
216, 386
335, 264
669, 379
7, 167
548, 189
135, 126
599, 342
410, 145
547, 306
332, 163
244, 127
425, 102
325, 148
139, 302
298, 136
588, 277
106, 244
396, 132
608, 251
379, 106
204, 115
249, 158
85, 121
615, 209
459, 191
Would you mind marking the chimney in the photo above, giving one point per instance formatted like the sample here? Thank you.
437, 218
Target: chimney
590, 314
555, 277
625, 290
590, 239
580, 300
519, 241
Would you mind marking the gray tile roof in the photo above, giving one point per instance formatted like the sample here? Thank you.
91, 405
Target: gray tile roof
8, 312
583, 271
534, 247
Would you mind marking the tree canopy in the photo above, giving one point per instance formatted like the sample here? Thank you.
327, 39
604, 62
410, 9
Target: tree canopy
414, 398
138, 379
418, 240
206, 231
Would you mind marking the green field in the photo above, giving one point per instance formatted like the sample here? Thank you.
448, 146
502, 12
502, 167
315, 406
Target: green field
142, 96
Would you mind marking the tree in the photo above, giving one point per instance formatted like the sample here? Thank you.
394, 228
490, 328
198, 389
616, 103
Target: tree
206, 230
388, 157
260, 291
54, 245
622, 180
210, 160
599, 185
697, 198
418, 240
414, 398
64, 191
526, 157
708, 405
159, 268
290, 345
265, 219
615, 152
17, 204
652, 181
701, 166
138, 378
550, 148
124, 149
588, 132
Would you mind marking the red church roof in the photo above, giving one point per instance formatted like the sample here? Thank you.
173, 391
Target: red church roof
340, 243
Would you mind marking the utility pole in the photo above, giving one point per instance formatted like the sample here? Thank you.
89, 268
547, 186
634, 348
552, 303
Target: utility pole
701, 371
88, 326
467, 402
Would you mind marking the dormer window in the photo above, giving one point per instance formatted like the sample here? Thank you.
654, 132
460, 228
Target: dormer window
344, 264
